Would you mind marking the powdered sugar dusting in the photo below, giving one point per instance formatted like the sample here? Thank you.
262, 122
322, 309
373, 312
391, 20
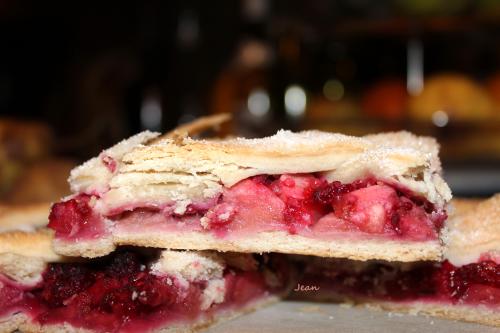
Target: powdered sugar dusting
286, 140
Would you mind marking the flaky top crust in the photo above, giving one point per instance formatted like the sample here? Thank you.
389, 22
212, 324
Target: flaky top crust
150, 168
473, 229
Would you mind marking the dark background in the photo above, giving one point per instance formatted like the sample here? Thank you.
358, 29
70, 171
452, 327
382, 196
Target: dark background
88, 68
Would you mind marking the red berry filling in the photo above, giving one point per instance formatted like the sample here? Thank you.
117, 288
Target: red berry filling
109, 162
300, 202
10, 295
477, 283
304, 204
470, 283
76, 219
119, 293
109, 290
219, 216
298, 194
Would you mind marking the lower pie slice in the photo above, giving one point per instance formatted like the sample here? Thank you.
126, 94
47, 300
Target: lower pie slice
465, 286
131, 289
315, 193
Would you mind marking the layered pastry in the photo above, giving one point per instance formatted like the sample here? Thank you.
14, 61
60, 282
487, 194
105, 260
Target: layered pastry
379, 196
465, 286
130, 290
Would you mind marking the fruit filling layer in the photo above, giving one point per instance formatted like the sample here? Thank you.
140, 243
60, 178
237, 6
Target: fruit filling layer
473, 284
304, 204
122, 293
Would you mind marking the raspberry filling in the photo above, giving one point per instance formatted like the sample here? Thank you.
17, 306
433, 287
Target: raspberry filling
120, 293
76, 219
11, 294
304, 204
109, 162
473, 284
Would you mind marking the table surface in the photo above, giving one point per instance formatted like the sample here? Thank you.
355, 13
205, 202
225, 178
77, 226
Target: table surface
302, 317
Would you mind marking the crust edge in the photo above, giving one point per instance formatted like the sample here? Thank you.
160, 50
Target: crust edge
280, 242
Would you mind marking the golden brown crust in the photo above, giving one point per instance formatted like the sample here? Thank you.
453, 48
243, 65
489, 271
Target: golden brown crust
84, 248
292, 244
277, 241
196, 126
23, 216
24, 255
473, 230
29, 244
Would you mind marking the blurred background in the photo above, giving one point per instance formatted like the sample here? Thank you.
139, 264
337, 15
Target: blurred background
78, 76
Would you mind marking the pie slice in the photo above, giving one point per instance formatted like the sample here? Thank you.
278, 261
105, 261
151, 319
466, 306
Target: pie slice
130, 290
465, 286
379, 196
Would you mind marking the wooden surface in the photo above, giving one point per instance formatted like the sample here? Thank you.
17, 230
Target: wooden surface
302, 317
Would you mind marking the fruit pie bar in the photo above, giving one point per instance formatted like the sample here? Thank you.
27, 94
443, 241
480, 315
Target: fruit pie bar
315, 193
